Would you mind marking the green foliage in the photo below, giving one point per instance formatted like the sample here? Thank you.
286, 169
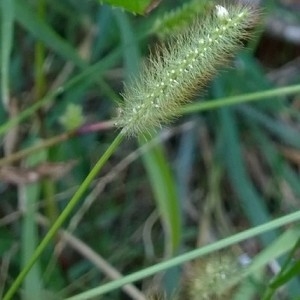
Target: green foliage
163, 185
68, 231
33, 284
6, 40
134, 6
177, 20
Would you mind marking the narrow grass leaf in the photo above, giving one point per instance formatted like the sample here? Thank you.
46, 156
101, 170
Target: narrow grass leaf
7, 19
196, 253
291, 273
284, 243
185, 161
32, 283
29, 194
131, 51
251, 202
62, 217
239, 99
167, 202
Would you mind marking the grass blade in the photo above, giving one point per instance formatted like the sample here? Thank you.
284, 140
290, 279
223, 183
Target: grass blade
7, 19
251, 202
166, 196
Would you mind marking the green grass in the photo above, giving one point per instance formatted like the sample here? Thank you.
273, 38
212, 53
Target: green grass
86, 212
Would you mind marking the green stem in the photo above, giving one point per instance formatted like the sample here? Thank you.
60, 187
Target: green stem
29, 196
7, 28
201, 106
40, 78
64, 215
234, 239
208, 105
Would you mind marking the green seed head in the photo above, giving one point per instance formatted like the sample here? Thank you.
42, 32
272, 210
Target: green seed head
170, 79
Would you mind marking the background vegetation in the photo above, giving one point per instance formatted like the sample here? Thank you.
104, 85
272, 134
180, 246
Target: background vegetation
218, 170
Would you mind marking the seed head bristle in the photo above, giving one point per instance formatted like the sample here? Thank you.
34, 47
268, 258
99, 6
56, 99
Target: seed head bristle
185, 65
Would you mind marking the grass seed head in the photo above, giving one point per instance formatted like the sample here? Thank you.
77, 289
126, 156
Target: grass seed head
182, 67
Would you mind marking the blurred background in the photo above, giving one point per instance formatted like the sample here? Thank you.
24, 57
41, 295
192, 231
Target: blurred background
208, 175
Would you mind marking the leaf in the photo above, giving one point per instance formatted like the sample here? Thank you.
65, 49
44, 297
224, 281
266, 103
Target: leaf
281, 245
251, 201
130, 47
29, 194
178, 20
134, 6
7, 17
166, 196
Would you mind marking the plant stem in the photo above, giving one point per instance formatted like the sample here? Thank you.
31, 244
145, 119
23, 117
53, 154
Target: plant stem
234, 239
209, 105
7, 28
64, 215
200, 106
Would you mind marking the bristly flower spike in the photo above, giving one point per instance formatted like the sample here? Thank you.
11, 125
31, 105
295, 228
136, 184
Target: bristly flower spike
169, 80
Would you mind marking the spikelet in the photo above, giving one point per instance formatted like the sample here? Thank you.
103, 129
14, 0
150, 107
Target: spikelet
184, 66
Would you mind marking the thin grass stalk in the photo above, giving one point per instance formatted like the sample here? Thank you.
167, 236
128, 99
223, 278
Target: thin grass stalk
234, 239
7, 28
63, 216
251, 97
